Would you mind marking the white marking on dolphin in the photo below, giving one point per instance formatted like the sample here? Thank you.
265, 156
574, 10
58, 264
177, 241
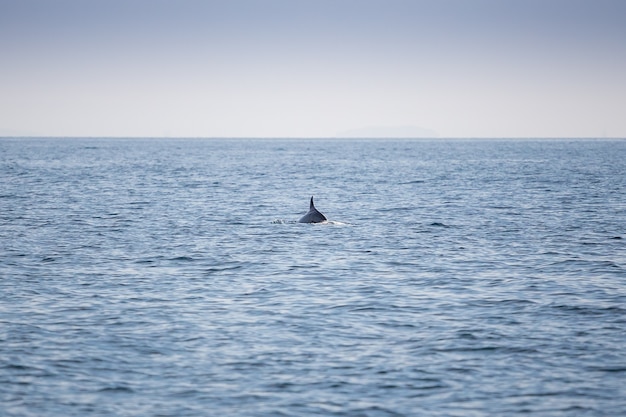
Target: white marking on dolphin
313, 216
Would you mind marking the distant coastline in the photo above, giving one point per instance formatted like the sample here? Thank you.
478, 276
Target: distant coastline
396, 132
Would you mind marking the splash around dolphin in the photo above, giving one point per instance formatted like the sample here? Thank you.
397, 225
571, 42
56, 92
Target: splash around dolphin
313, 216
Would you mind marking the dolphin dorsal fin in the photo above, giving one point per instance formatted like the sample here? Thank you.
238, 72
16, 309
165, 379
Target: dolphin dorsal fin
313, 216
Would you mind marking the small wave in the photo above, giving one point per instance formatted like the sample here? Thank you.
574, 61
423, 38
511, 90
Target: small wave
609, 369
589, 310
145, 261
337, 223
182, 258
439, 224
217, 270
117, 389
327, 222
582, 264
392, 209
18, 367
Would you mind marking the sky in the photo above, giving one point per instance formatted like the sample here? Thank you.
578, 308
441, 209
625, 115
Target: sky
316, 68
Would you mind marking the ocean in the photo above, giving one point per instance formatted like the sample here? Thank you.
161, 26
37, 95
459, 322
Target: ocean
170, 277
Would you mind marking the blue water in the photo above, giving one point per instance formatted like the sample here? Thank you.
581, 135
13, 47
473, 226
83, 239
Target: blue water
171, 278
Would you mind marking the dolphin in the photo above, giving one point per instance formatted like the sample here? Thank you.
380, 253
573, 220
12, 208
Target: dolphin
313, 216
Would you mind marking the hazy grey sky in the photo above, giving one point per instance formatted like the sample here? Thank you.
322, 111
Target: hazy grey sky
276, 68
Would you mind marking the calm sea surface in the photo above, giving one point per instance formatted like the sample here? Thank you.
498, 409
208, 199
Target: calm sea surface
162, 277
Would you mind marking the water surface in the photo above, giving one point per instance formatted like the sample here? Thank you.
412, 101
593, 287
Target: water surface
455, 277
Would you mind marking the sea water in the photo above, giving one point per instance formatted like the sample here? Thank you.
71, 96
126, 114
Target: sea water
169, 277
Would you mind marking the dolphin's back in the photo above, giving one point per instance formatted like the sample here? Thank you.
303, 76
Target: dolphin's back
313, 216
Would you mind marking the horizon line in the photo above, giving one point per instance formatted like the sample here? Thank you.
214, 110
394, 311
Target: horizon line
315, 137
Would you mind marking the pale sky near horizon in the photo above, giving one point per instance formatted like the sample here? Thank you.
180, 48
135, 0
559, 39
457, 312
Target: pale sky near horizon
289, 68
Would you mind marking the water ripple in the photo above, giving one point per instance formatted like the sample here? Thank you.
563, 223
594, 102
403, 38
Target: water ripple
172, 278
